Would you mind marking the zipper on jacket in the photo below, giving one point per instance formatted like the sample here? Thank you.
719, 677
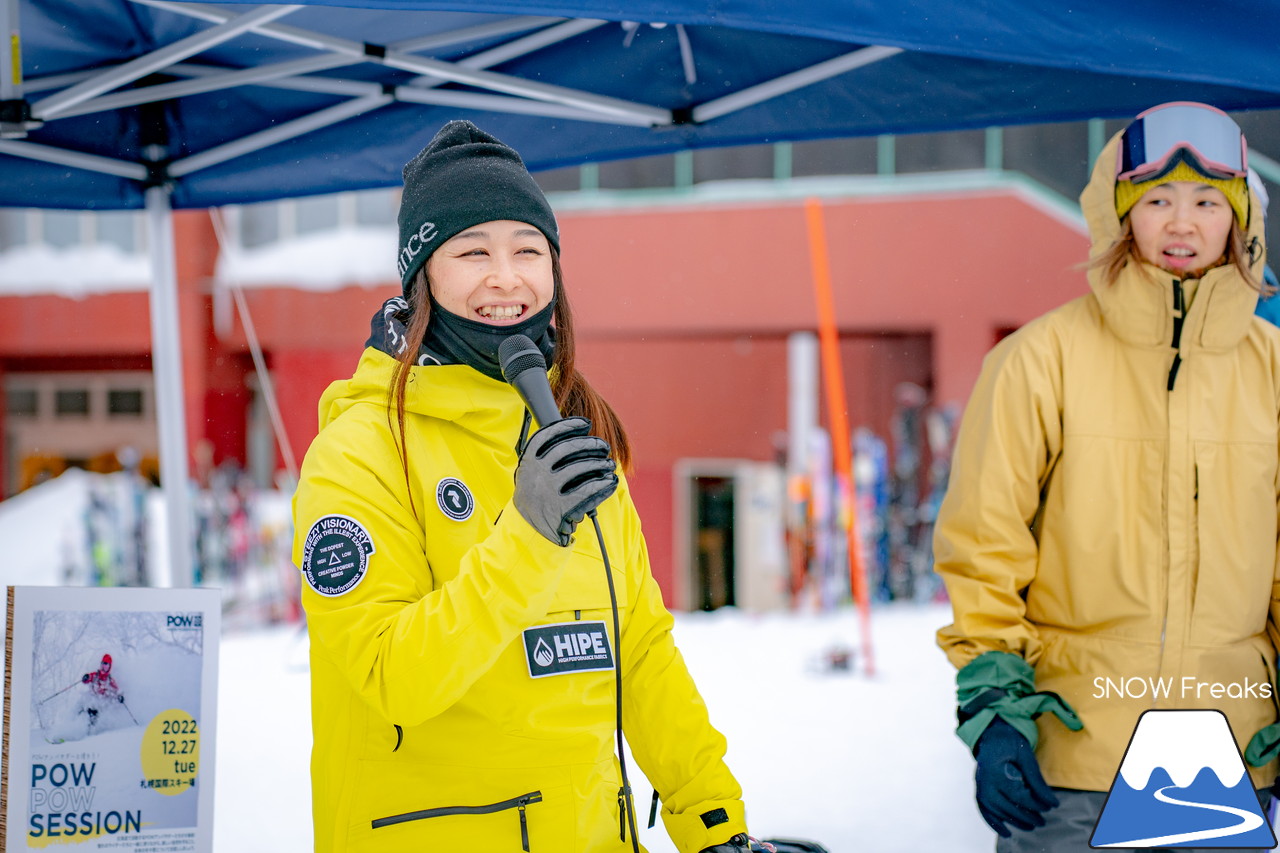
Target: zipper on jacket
518, 803
1179, 315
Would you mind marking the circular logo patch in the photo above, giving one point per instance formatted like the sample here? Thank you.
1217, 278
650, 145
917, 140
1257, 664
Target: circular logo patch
455, 499
336, 554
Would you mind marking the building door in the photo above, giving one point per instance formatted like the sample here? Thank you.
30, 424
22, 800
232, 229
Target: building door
730, 548
713, 529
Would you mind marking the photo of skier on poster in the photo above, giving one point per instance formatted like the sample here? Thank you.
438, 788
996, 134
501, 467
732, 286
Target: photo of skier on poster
102, 692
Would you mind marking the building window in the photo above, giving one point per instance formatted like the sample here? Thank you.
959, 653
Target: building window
62, 229
316, 213
71, 402
376, 207
118, 228
22, 402
14, 228
124, 402
68, 229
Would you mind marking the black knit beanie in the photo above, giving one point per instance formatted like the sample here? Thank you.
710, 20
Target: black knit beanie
462, 178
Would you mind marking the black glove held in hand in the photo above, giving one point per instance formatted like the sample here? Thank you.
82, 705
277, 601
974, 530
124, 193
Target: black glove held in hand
1010, 787
563, 474
738, 844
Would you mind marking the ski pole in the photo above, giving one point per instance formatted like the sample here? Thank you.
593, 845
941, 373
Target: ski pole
59, 693
126, 707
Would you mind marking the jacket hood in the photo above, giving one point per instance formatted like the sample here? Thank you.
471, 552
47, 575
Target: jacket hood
452, 392
1138, 306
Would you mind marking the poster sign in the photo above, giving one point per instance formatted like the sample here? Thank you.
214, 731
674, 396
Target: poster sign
109, 706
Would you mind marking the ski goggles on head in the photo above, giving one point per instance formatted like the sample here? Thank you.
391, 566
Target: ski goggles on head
1159, 138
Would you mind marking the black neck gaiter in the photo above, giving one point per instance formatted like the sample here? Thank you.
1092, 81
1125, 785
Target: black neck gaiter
457, 340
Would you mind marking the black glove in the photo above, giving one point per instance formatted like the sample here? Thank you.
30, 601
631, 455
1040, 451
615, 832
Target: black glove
84, 679
120, 698
738, 844
1010, 787
563, 474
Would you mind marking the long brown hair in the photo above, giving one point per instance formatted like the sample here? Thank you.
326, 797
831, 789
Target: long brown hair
1124, 249
573, 394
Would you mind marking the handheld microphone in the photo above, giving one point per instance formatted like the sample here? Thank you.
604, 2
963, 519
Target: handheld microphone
525, 369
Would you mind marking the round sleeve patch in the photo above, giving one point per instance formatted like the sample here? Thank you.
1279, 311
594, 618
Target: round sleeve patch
336, 554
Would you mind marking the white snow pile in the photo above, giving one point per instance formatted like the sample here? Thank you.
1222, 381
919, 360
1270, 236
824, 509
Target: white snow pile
75, 271
44, 532
325, 260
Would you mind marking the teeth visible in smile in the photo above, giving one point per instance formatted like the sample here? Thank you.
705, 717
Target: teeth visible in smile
501, 312
1179, 253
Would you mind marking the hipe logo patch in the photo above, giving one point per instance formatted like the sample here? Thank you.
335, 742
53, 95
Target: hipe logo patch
455, 499
1182, 783
336, 554
567, 647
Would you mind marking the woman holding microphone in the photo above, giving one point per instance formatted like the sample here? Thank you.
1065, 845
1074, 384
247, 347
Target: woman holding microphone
467, 677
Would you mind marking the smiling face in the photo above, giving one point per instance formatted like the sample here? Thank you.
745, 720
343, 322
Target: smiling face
1182, 227
495, 272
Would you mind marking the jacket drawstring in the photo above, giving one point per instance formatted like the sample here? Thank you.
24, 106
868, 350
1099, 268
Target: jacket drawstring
1179, 315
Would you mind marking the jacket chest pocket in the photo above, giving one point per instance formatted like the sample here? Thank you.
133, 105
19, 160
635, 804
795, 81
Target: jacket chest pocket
1235, 529
584, 586
568, 660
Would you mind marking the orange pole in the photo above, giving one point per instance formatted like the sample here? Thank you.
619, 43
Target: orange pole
837, 405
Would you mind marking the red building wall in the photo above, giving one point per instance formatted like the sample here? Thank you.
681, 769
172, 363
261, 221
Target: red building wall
682, 316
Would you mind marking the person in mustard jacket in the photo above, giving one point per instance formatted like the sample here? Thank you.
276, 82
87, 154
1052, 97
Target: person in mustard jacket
464, 655
1111, 514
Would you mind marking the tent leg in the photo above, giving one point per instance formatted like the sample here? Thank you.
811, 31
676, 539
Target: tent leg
166, 366
15, 113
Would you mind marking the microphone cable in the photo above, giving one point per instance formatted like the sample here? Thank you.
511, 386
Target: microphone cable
626, 803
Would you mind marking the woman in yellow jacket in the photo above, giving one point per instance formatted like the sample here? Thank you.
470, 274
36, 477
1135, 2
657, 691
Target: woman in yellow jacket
1111, 517
463, 651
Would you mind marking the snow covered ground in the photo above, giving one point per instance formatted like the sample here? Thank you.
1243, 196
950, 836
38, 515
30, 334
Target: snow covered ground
863, 765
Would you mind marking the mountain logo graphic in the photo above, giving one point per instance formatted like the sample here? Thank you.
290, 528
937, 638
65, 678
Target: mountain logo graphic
1182, 783
542, 653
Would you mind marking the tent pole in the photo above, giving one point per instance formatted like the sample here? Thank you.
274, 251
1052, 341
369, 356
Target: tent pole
14, 111
166, 366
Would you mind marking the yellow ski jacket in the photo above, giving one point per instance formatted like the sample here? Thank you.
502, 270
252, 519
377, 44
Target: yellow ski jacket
463, 692
1111, 514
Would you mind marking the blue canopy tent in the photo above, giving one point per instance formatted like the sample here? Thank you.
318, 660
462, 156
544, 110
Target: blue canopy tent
160, 104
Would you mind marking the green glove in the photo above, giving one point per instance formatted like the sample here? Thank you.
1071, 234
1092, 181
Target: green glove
1264, 746
1001, 684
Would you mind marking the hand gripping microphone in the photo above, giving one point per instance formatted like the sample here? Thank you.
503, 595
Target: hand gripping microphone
525, 369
